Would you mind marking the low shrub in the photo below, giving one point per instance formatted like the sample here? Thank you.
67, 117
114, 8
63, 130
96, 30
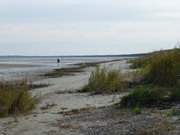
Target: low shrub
143, 96
104, 81
149, 96
15, 98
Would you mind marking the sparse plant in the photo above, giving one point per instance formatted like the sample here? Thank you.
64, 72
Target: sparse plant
137, 110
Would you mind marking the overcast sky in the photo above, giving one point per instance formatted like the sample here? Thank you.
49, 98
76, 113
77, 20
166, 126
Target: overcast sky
78, 27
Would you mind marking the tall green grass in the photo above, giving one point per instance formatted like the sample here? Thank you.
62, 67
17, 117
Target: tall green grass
160, 79
160, 68
15, 98
105, 81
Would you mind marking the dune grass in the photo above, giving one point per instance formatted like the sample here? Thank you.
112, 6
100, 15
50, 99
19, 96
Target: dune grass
160, 80
15, 98
160, 68
104, 81
163, 69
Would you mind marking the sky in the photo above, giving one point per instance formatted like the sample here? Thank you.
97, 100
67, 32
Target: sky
87, 27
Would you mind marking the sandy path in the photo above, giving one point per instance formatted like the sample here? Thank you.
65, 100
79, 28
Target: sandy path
55, 99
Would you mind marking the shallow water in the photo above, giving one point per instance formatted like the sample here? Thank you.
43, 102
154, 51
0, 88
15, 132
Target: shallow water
24, 66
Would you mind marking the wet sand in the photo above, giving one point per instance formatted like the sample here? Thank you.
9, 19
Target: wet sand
8, 66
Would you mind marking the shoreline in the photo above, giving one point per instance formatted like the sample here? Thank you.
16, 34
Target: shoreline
36, 72
55, 100
62, 110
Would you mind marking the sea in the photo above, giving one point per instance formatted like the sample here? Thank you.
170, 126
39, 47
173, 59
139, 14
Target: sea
13, 67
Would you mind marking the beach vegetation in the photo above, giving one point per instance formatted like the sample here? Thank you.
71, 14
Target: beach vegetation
159, 80
160, 68
151, 96
143, 96
105, 81
137, 110
15, 98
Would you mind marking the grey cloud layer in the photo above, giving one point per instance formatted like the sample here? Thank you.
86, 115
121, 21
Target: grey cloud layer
78, 26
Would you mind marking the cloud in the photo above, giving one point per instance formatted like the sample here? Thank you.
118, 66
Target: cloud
89, 10
88, 26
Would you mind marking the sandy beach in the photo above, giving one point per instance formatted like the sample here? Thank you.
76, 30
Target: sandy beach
62, 110
89, 67
61, 96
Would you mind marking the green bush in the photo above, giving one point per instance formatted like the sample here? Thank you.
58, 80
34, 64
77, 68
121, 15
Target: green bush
104, 81
143, 96
15, 98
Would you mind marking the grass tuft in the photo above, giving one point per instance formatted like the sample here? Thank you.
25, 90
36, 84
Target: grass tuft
160, 68
137, 110
15, 98
104, 81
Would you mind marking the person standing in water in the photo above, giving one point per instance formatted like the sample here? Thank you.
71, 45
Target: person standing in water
58, 61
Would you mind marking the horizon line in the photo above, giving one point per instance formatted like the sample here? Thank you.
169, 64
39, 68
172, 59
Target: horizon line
89, 55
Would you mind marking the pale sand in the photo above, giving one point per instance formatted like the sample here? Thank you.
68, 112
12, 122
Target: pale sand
56, 96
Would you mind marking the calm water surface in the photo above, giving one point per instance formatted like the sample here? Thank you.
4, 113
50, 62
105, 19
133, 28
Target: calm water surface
24, 66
